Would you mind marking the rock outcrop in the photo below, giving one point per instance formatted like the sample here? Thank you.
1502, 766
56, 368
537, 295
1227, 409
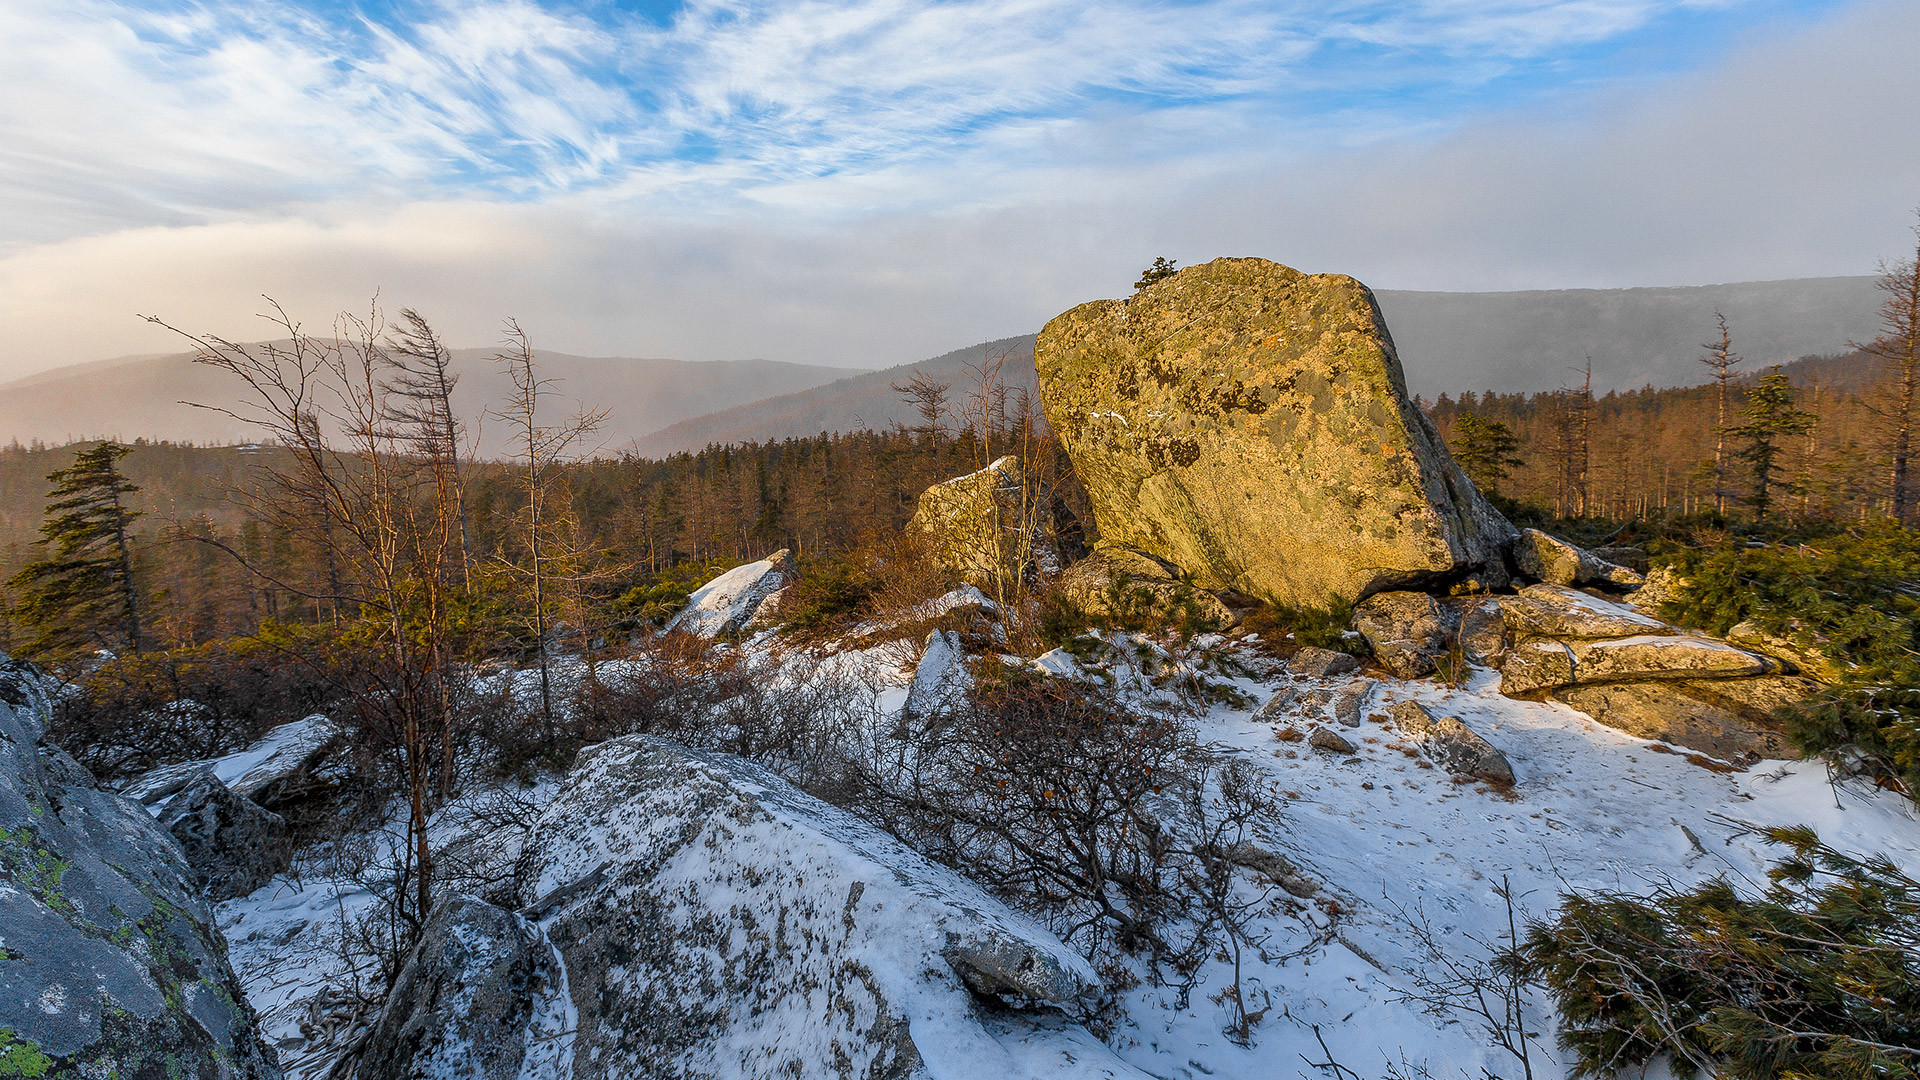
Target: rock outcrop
729, 602
1126, 585
233, 845
1552, 560
940, 679
273, 769
111, 965
977, 528
711, 920
1631, 671
464, 1003
1250, 425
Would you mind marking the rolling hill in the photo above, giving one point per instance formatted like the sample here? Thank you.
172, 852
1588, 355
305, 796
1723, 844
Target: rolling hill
142, 396
1449, 342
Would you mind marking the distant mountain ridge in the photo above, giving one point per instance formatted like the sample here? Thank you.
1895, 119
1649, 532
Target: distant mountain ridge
1522, 342
1449, 343
140, 396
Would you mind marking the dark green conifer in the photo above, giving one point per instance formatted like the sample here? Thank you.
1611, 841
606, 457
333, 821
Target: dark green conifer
1771, 417
82, 591
1485, 450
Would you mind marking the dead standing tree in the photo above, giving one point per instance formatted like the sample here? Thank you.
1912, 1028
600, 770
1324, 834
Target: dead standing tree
373, 503
548, 530
1898, 348
1720, 360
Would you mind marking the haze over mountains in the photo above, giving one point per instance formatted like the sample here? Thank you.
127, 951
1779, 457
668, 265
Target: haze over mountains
142, 396
1449, 342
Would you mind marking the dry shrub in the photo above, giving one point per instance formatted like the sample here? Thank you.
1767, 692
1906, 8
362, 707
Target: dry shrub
1107, 820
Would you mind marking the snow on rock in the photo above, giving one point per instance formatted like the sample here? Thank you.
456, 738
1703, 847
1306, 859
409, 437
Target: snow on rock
1557, 611
715, 921
463, 1004
259, 773
111, 963
727, 603
940, 678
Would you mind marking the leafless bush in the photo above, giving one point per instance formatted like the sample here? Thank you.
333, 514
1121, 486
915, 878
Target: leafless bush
1110, 821
138, 711
1485, 983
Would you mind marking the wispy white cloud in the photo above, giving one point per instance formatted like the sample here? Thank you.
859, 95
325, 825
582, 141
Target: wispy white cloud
122, 115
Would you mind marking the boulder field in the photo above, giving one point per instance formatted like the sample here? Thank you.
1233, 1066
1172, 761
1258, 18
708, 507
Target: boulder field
1244, 434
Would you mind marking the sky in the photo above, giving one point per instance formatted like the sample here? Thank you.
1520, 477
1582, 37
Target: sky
870, 182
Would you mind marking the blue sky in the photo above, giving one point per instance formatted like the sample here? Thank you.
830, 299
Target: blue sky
941, 170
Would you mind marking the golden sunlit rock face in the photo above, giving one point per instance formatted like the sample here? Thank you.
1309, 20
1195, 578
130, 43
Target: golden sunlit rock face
1250, 424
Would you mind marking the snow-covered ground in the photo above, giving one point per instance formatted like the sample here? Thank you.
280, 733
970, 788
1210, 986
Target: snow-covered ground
1395, 844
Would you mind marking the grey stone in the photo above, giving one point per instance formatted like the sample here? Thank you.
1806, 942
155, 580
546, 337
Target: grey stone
940, 680
1725, 718
1450, 744
112, 965
1482, 629
1325, 738
462, 1005
1272, 865
1545, 664
233, 845
1115, 582
1557, 611
1349, 700
1313, 660
1551, 559
1408, 631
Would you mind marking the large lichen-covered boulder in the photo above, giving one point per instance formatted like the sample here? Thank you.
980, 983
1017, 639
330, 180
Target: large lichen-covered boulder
713, 920
1250, 424
109, 961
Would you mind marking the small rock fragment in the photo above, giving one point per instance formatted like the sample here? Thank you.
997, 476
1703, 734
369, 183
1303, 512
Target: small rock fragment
1313, 660
1327, 739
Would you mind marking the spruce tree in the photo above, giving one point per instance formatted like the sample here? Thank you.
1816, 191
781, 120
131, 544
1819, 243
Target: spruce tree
1771, 418
82, 591
1485, 448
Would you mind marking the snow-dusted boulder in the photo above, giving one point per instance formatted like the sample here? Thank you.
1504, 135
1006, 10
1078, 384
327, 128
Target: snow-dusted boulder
1548, 664
262, 773
713, 920
1547, 610
111, 964
941, 678
465, 1001
727, 603
232, 844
